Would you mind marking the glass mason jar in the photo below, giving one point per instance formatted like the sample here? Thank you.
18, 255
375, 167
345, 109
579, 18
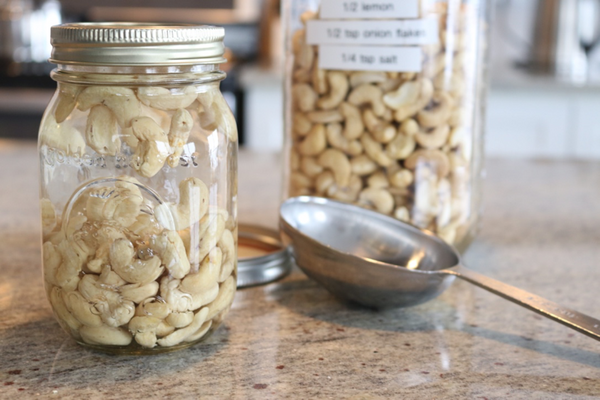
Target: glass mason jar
138, 167
384, 107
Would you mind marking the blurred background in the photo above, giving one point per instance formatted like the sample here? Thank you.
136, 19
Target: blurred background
543, 98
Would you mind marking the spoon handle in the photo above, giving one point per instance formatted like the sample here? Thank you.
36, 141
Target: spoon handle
580, 322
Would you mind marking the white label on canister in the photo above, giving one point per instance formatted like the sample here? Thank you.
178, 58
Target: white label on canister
370, 58
338, 9
410, 32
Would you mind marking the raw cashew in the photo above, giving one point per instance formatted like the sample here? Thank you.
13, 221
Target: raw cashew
310, 168
205, 236
436, 158
207, 275
177, 300
170, 248
434, 138
336, 139
202, 299
134, 270
294, 160
82, 309
52, 260
338, 88
65, 318
426, 204
362, 165
314, 143
378, 198
391, 84
381, 131
374, 150
411, 109
102, 131
66, 100
215, 114
224, 298
153, 148
353, 126
368, 94
319, 79
114, 203
153, 308
129, 138
73, 256
402, 214
165, 99
302, 76
324, 181
407, 94
163, 329
113, 310
378, 180
181, 126
401, 178
300, 181
110, 279
180, 319
305, 98
400, 147
338, 163
193, 204
48, 216
144, 330
121, 253
105, 236
409, 127
61, 136
324, 117
304, 53
227, 246
181, 334
145, 225
445, 203
137, 292
200, 332
120, 100
301, 124
437, 113
105, 335
359, 78
348, 193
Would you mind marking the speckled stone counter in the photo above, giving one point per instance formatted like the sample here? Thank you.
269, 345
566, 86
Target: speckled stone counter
541, 232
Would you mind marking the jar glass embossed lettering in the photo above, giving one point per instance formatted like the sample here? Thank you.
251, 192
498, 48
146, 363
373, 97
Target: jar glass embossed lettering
138, 168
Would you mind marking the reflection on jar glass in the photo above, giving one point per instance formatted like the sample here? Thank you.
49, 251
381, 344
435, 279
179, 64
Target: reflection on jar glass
138, 187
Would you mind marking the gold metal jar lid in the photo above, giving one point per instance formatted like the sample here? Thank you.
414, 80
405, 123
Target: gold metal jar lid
133, 44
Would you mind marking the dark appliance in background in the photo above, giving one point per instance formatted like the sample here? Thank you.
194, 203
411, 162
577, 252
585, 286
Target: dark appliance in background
25, 85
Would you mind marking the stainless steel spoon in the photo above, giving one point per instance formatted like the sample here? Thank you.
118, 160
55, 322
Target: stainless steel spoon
378, 261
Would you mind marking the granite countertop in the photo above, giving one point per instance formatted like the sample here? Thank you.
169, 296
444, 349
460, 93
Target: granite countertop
541, 232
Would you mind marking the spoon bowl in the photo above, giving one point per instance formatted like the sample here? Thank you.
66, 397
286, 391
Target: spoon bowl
377, 261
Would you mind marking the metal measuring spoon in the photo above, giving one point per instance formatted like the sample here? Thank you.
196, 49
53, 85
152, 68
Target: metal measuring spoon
378, 261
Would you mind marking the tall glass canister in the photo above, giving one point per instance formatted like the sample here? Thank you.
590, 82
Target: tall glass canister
138, 170
384, 107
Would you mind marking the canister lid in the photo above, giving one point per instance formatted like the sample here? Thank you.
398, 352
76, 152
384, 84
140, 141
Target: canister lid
262, 257
136, 44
